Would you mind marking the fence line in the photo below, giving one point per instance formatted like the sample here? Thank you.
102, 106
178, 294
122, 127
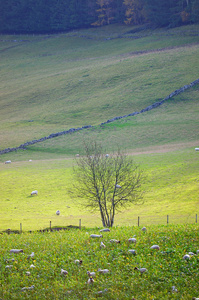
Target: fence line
136, 221
164, 220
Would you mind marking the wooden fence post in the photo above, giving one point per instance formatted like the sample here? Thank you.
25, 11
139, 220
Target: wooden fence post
20, 227
167, 219
138, 221
50, 226
80, 225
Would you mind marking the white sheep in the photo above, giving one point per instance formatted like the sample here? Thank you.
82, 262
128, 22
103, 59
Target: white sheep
31, 255
186, 257
58, 212
79, 262
105, 230
8, 162
34, 193
104, 271
100, 293
132, 240
9, 266
90, 280
64, 272
155, 247
144, 229
118, 186
28, 288
174, 290
91, 274
114, 241
102, 245
96, 236
32, 266
16, 250
197, 149
142, 270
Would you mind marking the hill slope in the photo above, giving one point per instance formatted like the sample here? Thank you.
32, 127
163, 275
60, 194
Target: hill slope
53, 83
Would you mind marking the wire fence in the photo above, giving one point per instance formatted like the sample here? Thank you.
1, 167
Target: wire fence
139, 221
163, 220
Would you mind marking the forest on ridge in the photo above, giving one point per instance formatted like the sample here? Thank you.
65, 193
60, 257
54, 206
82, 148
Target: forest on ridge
41, 16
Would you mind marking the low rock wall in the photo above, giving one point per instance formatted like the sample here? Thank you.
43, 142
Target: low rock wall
156, 104
71, 130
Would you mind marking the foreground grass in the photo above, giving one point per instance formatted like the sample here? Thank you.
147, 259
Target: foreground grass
59, 250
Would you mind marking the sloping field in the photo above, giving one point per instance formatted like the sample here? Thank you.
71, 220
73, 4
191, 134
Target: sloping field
171, 189
54, 83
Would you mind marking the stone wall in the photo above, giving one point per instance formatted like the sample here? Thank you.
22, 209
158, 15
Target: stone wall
52, 135
156, 104
71, 130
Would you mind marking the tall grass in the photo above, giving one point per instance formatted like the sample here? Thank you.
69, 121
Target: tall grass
168, 276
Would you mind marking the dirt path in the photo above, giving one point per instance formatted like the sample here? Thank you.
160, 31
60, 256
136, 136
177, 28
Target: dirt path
165, 148
139, 151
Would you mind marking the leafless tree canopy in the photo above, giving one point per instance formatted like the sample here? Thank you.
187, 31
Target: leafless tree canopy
106, 183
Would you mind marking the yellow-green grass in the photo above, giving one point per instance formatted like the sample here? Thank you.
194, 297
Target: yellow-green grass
163, 139
168, 275
86, 77
171, 188
53, 83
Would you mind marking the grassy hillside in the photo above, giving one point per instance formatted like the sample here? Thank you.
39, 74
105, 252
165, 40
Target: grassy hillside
53, 83
175, 122
171, 188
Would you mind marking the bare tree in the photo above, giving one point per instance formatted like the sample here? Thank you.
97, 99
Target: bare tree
106, 182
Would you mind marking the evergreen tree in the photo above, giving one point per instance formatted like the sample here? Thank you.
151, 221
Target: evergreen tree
59, 15
159, 12
195, 11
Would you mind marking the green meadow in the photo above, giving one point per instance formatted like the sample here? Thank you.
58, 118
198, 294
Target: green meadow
51, 83
167, 275
171, 187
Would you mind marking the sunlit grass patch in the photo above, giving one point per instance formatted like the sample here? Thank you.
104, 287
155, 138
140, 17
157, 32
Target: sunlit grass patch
171, 188
56, 250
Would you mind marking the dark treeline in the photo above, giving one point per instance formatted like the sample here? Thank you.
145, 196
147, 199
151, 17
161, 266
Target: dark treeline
49, 16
